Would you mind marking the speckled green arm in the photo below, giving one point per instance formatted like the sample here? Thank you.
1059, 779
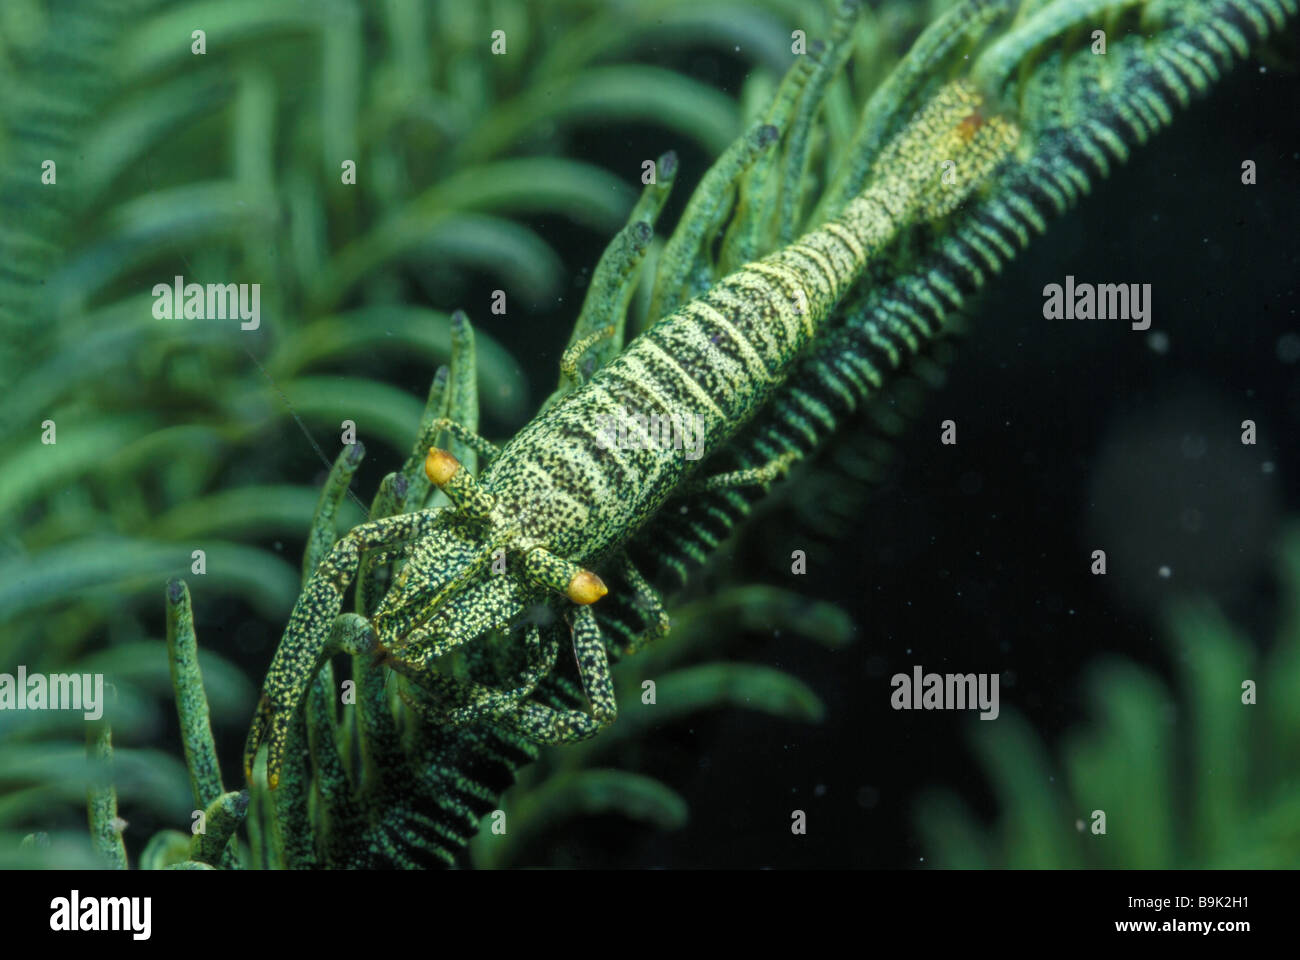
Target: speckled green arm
192, 707
101, 797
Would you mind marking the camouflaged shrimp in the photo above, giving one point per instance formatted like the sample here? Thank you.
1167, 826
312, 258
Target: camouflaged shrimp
558, 500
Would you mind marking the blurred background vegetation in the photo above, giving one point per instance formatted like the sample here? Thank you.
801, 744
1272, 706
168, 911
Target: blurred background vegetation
478, 173
1197, 780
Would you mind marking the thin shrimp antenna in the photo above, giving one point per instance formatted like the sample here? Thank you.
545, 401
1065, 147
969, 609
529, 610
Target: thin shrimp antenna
303, 427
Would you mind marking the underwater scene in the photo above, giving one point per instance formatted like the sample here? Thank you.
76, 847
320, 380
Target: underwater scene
663, 434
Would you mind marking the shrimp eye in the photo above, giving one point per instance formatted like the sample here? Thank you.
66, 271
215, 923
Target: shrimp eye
586, 587
440, 466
